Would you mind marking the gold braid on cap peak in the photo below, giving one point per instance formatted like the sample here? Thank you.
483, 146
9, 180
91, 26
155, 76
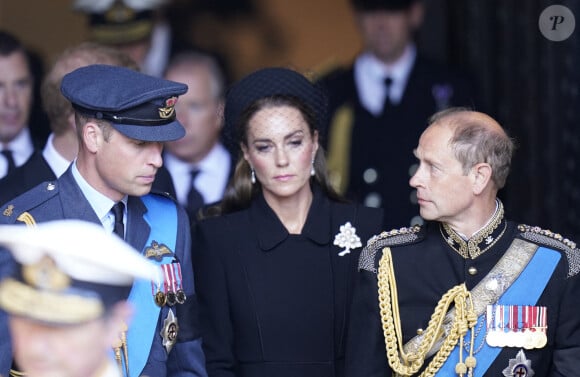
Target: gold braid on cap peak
407, 364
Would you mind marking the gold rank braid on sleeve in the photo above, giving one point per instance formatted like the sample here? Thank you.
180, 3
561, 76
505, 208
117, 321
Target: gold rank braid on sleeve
407, 364
27, 219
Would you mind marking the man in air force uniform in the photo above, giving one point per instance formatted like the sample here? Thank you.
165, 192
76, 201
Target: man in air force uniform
122, 119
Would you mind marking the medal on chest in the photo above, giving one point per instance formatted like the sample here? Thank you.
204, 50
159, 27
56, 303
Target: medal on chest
523, 326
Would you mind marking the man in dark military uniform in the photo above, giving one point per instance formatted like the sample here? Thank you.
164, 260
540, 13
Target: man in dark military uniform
468, 292
380, 105
67, 308
142, 29
122, 119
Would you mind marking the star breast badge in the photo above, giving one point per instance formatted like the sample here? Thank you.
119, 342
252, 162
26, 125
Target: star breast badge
519, 367
169, 331
347, 238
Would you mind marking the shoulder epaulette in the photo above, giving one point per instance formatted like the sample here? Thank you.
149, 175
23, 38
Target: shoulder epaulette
28, 200
395, 237
555, 240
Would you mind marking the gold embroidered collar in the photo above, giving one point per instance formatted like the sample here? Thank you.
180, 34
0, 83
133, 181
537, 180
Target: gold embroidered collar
481, 241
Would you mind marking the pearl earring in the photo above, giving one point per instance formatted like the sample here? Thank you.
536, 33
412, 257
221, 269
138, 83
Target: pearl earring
253, 176
312, 171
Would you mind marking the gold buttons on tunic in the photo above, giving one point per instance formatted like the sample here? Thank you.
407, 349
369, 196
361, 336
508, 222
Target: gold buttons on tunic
420, 331
472, 270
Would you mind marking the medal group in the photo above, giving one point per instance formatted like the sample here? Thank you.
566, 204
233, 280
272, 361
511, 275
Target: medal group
170, 291
516, 326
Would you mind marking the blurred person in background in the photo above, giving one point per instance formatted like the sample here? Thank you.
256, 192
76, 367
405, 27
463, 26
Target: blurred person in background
137, 27
199, 164
16, 98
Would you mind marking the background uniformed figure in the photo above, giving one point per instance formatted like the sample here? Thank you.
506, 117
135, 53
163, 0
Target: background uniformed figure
140, 28
67, 297
122, 119
379, 106
514, 289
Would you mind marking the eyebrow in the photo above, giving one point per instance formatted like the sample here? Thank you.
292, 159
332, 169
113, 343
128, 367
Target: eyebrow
289, 136
428, 160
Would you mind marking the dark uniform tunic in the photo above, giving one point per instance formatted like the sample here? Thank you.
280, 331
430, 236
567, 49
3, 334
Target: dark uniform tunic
274, 303
34, 171
430, 265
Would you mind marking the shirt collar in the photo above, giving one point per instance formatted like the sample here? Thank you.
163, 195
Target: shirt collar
100, 203
370, 73
179, 171
216, 160
21, 147
214, 169
272, 232
55, 160
482, 240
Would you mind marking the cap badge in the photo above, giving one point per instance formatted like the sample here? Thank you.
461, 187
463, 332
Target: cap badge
347, 238
44, 274
9, 210
119, 13
169, 109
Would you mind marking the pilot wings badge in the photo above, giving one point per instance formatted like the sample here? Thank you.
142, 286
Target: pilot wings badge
156, 251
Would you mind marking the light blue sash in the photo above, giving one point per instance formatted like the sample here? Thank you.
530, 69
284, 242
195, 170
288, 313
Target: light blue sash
161, 216
526, 290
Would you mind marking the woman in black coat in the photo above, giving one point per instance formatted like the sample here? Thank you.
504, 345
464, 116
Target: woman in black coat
274, 270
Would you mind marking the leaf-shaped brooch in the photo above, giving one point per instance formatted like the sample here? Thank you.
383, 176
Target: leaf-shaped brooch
347, 238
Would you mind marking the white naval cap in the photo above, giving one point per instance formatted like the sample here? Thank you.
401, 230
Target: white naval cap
116, 22
68, 271
98, 6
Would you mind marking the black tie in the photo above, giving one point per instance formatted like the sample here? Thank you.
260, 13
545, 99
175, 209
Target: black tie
119, 228
194, 198
388, 104
7, 153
